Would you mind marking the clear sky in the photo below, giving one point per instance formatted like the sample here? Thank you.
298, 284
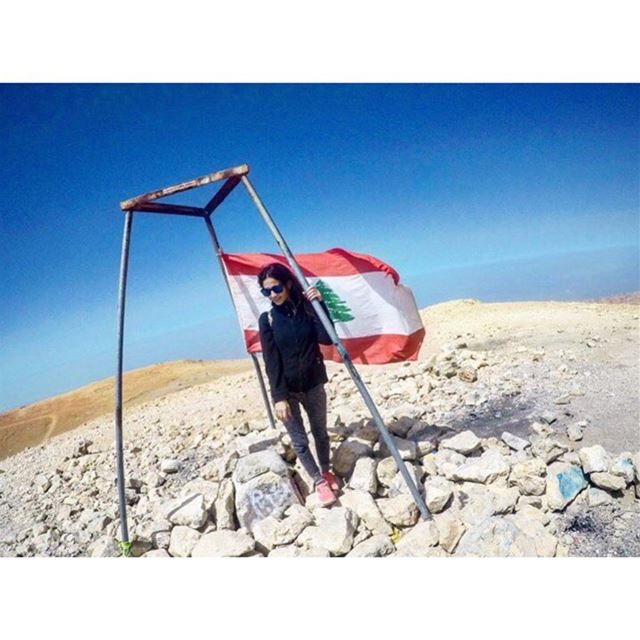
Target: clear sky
491, 191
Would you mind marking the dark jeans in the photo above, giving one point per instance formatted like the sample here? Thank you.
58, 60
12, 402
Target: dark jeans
314, 402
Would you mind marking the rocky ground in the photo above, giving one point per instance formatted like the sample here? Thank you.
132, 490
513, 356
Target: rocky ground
519, 424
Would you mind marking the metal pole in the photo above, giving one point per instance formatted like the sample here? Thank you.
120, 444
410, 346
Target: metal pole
417, 498
256, 364
124, 261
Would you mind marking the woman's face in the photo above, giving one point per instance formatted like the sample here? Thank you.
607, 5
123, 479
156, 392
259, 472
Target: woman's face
276, 298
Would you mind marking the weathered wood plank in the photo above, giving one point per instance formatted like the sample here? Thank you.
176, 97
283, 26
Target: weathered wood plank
131, 203
221, 194
160, 207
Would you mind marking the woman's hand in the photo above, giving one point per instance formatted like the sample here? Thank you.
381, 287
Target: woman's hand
312, 294
283, 411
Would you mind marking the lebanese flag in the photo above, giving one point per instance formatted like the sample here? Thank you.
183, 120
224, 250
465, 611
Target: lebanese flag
375, 316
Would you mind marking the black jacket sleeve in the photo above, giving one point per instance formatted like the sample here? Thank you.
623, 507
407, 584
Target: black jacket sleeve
323, 336
272, 360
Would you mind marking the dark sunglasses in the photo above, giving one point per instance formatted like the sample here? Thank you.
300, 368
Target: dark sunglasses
266, 292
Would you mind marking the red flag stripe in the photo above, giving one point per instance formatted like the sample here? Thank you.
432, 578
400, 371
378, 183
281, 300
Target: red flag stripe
379, 349
332, 262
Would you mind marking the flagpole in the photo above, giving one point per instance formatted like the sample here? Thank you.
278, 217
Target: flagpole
326, 323
256, 364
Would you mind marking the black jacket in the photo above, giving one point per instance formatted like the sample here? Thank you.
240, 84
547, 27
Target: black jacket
290, 347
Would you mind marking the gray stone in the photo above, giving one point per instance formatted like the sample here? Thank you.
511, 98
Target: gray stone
224, 544
575, 430
270, 532
262, 496
465, 443
255, 464
334, 533
386, 471
104, 547
153, 479
347, 454
156, 553
594, 458
407, 449
399, 485
42, 483
257, 441
514, 442
416, 541
438, 492
375, 547
448, 462
183, 540
365, 506
489, 466
564, 483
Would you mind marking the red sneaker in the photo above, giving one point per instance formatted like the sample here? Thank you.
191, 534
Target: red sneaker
331, 479
325, 493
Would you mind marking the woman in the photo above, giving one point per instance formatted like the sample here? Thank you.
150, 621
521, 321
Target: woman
289, 335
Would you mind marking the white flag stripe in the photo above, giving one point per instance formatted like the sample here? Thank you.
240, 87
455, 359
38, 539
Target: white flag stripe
378, 305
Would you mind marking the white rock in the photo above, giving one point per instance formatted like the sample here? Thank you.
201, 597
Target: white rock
188, 511
529, 477
514, 442
156, 553
465, 442
208, 490
489, 466
594, 458
450, 531
375, 547
255, 464
548, 450
608, 481
438, 492
597, 497
170, 465
575, 431
223, 544
183, 540
224, 505
364, 476
416, 541
407, 449
623, 466
399, 485
400, 510
365, 506
335, 532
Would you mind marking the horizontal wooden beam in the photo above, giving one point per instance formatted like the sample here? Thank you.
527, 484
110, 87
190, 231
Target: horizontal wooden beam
221, 194
177, 209
132, 203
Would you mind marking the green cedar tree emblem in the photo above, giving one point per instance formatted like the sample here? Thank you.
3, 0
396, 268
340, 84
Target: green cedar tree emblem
338, 309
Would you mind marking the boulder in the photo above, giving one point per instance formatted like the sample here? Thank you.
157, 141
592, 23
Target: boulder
400, 511
438, 492
334, 533
489, 466
608, 481
548, 449
183, 540
598, 497
623, 466
231, 544
255, 464
364, 477
270, 532
375, 547
514, 442
417, 540
564, 483
188, 511
407, 449
450, 531
465, 443
594, 459
346, 455
529, 477
224, 506
208, 490
363, 504
170, 465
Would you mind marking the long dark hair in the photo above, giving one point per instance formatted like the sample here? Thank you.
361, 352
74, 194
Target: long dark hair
283, 275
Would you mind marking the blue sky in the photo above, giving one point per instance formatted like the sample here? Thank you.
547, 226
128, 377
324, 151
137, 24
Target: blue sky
491, 191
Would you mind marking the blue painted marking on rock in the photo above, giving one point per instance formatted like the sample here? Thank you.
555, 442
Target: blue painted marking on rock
571, 482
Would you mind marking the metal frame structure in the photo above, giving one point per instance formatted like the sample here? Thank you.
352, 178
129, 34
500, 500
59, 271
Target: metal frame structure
147, 203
